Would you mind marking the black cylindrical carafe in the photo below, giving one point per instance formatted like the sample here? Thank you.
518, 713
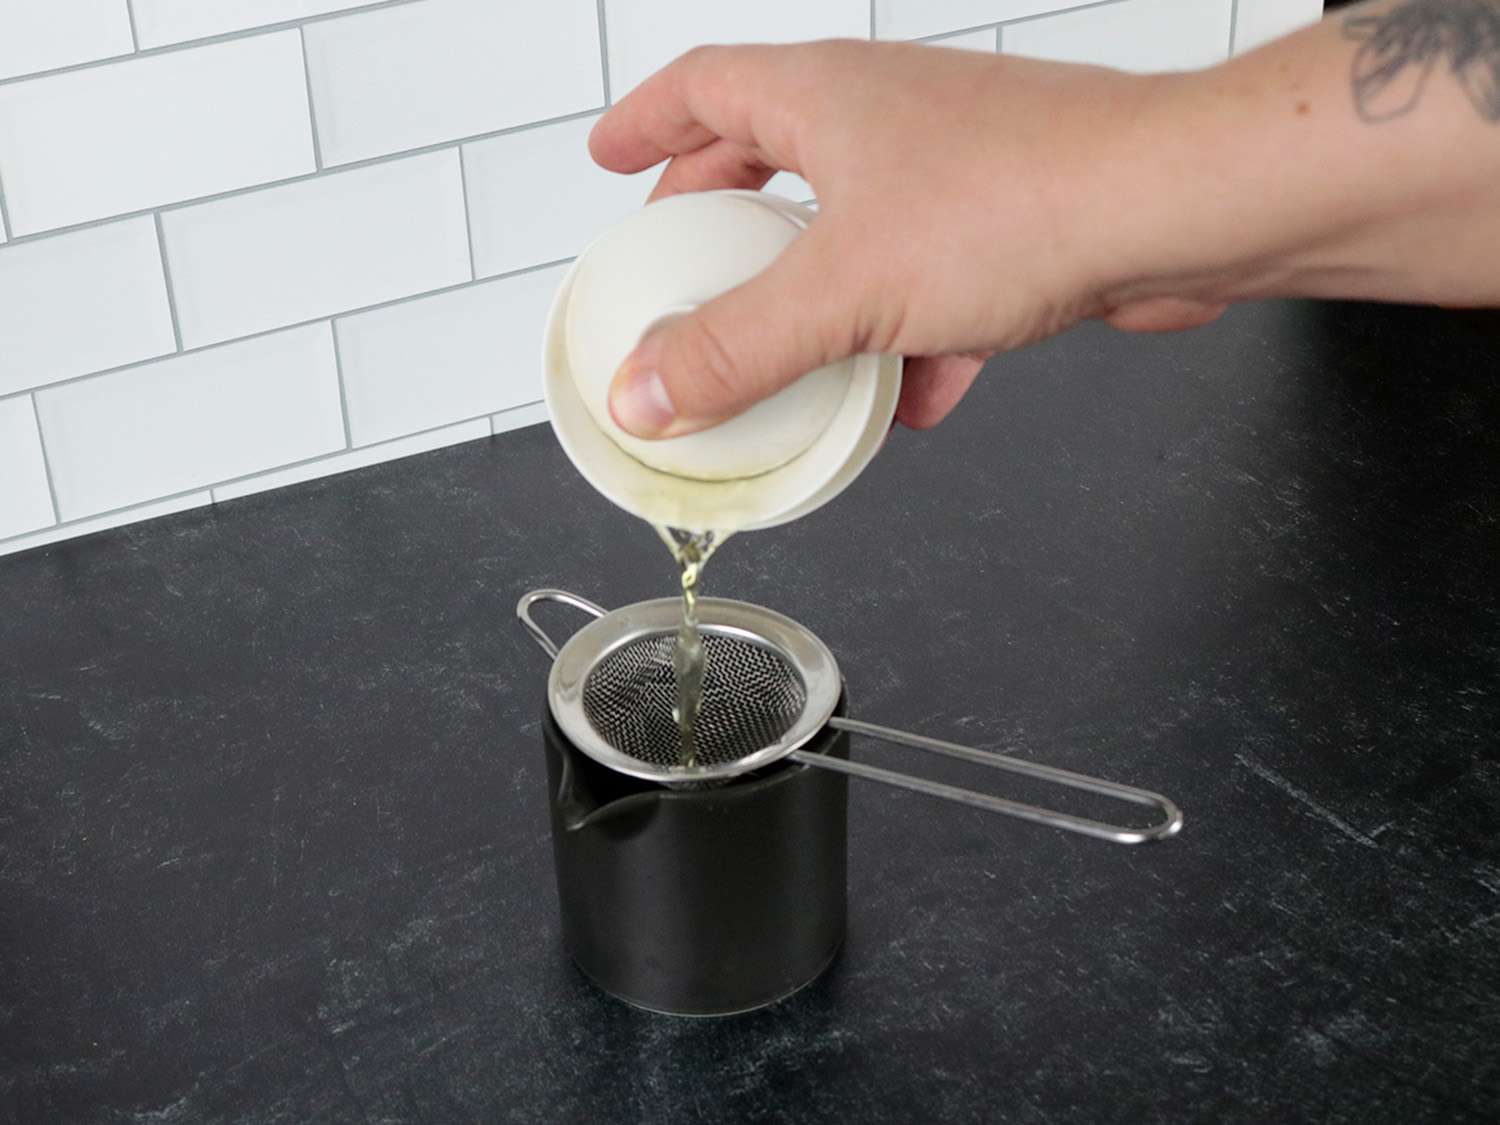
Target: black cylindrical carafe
700, 901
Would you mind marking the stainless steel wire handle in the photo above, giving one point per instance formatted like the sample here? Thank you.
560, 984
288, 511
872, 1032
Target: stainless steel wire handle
1169, 825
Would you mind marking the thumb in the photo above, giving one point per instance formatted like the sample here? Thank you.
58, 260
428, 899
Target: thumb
741, 347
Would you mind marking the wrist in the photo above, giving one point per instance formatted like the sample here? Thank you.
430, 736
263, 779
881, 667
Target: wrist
1253, 179
1258, 178
1194, 219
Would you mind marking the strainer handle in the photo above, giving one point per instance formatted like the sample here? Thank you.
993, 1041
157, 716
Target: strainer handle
523, 611
1171, 815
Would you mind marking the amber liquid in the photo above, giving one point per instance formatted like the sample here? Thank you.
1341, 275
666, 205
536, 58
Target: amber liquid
692, 550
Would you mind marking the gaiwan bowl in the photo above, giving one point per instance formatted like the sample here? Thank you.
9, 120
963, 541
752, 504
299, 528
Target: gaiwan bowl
776, 462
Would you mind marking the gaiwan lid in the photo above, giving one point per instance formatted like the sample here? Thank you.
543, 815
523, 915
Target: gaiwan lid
777, 460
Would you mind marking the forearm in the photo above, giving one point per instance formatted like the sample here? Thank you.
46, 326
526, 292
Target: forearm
971, 203
1360, 158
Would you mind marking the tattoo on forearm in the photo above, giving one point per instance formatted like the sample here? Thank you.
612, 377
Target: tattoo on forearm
1401, 45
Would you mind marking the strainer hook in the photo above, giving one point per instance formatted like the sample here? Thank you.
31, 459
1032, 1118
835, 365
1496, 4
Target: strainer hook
523, 611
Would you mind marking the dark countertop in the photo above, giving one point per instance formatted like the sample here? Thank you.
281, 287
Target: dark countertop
273, 838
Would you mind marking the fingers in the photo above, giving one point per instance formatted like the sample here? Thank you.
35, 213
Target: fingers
741, 347
721, 164
932, 385
707, 94
1164, 314
708, 114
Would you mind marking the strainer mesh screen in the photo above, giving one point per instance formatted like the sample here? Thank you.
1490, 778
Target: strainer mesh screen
751, 697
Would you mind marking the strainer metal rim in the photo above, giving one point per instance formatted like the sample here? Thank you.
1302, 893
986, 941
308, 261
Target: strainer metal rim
798, 646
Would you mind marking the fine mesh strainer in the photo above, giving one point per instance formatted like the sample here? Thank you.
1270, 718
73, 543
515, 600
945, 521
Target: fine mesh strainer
769, 686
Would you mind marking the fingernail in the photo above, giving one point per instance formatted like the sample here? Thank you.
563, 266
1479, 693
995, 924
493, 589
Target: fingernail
639, 403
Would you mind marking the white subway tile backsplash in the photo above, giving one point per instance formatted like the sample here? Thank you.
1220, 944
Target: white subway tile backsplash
125, 136
186, 422
915, 19
536, 196
25, 503
43, 34
75, 528
304, 250
645, 35
1137, 35
81, 302
441, 359
159, 22
1257, 22
470, 430
404, 77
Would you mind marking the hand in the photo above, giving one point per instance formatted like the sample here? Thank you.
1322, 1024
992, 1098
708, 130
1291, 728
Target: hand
968, 203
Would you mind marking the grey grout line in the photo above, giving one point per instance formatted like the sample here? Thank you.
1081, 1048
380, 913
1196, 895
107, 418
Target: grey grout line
135, 38
303, 177
338, 368
4, 213
463, 183
64, 524
335, 455
166, 274
522, 272
351, 13
210, 40
61, 524
609, 99
198, 350
998, 24
41, 439
941, 35
1065, 11
999, 40
312, 110
514, 410
211, 488
1234, 24
17, 79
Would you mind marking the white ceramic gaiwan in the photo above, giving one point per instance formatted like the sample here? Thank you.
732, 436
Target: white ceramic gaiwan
777, 461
